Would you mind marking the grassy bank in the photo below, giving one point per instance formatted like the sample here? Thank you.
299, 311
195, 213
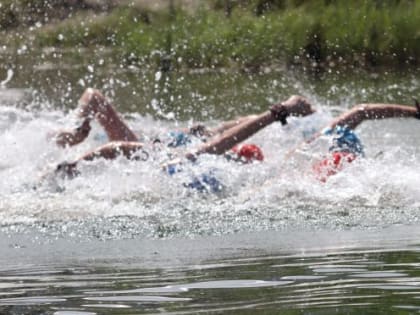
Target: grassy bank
250, 33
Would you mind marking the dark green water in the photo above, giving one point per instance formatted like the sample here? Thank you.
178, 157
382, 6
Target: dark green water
60, 77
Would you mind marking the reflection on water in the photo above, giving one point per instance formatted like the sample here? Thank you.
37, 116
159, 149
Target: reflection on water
322, 282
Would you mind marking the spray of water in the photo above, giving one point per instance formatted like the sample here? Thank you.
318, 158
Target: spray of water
124, 198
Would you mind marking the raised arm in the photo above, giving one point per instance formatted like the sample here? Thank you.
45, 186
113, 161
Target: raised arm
362, 112
70, 138
295, 106
93, 105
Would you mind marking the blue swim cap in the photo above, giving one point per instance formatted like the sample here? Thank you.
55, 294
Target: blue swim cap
205, 182
344, 139
178, 138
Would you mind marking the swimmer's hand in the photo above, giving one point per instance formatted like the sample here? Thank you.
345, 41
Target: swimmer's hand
64, 170
67, 170
280, 113
200, 130
70, 138
298, 106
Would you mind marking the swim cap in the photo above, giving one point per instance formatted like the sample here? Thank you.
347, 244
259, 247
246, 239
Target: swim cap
178, 138
332, 164
248, 152
344, 139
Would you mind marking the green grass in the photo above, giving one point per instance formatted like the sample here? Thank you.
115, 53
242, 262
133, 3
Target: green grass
366, 32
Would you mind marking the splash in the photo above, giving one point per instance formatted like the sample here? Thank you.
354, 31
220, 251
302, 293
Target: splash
9, 77
121, 198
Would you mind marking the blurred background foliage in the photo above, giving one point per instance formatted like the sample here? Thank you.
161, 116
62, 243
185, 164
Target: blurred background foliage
224, 33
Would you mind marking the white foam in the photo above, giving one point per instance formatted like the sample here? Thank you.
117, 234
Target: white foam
379, 190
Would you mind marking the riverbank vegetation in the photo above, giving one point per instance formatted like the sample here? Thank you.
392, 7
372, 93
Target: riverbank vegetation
230, 33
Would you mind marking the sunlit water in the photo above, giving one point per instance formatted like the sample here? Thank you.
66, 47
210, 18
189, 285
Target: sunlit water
94, 237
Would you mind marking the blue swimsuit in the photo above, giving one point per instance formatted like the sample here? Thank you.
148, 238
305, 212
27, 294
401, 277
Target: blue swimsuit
205, 182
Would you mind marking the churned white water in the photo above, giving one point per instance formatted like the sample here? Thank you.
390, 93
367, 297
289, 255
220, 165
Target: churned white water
123, 198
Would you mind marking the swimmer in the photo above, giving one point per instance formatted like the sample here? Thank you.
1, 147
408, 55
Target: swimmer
123, 141
93, 105
345, 146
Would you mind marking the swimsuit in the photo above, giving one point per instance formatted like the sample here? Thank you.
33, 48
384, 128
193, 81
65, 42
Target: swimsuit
205, 182
345, 148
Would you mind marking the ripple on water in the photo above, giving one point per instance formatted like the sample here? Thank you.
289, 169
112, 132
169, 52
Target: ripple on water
107, 306
137, 298
36, 300
388, 274
191, 289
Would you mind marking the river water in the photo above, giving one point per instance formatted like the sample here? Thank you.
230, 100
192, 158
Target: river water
125, 238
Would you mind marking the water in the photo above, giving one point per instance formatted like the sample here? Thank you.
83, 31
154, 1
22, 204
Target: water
125, 238
318, 272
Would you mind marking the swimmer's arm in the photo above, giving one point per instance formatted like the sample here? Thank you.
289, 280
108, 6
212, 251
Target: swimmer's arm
200, 130
235, 135
362, 112
294, 106
93, 104
112, 150
109, 151
226, 125
71, 138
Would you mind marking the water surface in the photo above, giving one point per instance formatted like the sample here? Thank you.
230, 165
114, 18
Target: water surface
292, 272
125, 238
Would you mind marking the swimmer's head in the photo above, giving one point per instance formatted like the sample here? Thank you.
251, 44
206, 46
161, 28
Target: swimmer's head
344, 140
247, 153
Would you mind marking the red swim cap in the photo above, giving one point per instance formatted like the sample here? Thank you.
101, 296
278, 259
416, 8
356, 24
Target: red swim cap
332, 165
248, 152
